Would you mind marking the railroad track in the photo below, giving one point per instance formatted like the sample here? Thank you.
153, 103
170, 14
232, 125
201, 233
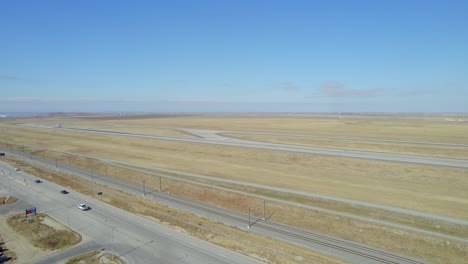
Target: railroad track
376, 255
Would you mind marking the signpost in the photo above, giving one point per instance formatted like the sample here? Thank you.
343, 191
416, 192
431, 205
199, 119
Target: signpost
30, 211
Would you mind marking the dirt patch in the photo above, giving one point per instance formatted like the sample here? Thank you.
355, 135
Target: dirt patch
96, 258
18, 243
43, 233
7, 200
53, 224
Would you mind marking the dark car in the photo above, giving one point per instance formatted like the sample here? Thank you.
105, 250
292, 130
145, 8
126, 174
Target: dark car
64, 191
37, 181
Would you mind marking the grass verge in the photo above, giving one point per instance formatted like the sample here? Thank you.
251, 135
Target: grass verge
95, 257
7, 200
42, 235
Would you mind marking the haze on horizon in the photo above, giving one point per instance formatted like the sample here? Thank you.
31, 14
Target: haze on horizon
238, 56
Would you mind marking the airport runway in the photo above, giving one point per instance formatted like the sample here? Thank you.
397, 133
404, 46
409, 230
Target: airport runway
213, 137
136, 239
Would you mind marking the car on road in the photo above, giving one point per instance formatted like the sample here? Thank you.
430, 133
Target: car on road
17, 169
83, 207
37, 181
63, 191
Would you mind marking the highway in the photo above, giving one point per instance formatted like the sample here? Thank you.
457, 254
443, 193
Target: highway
134, 238
348, 250
214, 137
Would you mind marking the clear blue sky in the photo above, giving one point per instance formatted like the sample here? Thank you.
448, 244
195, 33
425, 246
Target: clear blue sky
234, 56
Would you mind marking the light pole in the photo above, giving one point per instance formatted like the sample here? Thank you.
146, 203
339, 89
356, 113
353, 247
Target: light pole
113, 242
249, 219
264, 218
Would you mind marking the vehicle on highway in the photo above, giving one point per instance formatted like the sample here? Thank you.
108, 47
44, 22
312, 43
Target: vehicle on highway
63, 191
17, 169
83, 207
37, 181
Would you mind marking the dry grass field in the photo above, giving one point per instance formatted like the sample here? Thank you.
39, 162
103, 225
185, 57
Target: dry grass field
427, 188
407, 127
139, 130
423, 128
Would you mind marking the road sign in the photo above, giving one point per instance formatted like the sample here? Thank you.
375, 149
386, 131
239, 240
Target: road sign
31, 210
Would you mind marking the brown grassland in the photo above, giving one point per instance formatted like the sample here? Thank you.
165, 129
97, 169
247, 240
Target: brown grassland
95, 257
7, 200
427, 188
422, 128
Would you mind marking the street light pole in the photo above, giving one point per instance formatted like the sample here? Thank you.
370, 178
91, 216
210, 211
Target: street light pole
113, 243
68, 216
264, 218
249, 219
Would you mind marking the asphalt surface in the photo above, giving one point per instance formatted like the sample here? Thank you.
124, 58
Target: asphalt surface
348, 250
134, 238
213, 137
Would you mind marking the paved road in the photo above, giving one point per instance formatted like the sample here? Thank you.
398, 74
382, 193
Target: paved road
135, 238
213, 137
350, 251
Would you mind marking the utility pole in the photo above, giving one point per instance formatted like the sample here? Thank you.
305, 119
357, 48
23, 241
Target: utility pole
113, 243
264, 218
56, 163
249, 219
144, 191
159, 183
68, 216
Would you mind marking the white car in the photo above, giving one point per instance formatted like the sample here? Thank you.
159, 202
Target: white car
83, 207
16, 169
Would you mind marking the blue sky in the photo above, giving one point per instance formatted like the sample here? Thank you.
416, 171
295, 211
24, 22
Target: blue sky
234, 56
